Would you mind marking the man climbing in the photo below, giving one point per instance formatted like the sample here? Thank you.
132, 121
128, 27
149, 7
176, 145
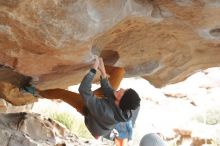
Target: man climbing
104, 107
114, 107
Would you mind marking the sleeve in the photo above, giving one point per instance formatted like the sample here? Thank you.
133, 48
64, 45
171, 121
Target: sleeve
95, 105
129, 129
106, 87
85, 88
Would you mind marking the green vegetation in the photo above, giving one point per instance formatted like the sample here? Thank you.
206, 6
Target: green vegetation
209, 117
76, 126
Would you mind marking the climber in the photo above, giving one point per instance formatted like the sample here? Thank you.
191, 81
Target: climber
104, 107
102, 114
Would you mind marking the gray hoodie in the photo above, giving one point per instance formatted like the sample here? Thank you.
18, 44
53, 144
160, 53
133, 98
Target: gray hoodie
103, 113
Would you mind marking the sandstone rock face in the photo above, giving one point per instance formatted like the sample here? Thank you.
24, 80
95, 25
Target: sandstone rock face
7, 107
13, 95
3, 107
54, 41
26, 129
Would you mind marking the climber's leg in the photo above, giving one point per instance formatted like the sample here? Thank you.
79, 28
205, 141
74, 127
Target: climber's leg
72, 98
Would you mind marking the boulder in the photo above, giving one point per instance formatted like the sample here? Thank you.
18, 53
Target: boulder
29, 129
55, 41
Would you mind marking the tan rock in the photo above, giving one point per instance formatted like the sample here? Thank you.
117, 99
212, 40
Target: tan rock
198, 141
13, 95
54, 41
3, 107
183, 132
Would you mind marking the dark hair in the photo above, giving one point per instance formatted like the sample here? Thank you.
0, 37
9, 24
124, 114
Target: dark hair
130, 100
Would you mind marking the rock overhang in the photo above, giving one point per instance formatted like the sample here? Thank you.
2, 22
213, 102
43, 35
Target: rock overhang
54, 42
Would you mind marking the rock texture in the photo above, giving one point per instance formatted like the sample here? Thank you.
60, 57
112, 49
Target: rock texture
54, 41
3, 107
26, 129
13, 95
7, 107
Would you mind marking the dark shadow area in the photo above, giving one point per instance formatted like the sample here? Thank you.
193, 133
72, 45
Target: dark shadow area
215, 32
9, 75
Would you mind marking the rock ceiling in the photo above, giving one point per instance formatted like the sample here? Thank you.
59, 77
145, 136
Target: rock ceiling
54, 41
